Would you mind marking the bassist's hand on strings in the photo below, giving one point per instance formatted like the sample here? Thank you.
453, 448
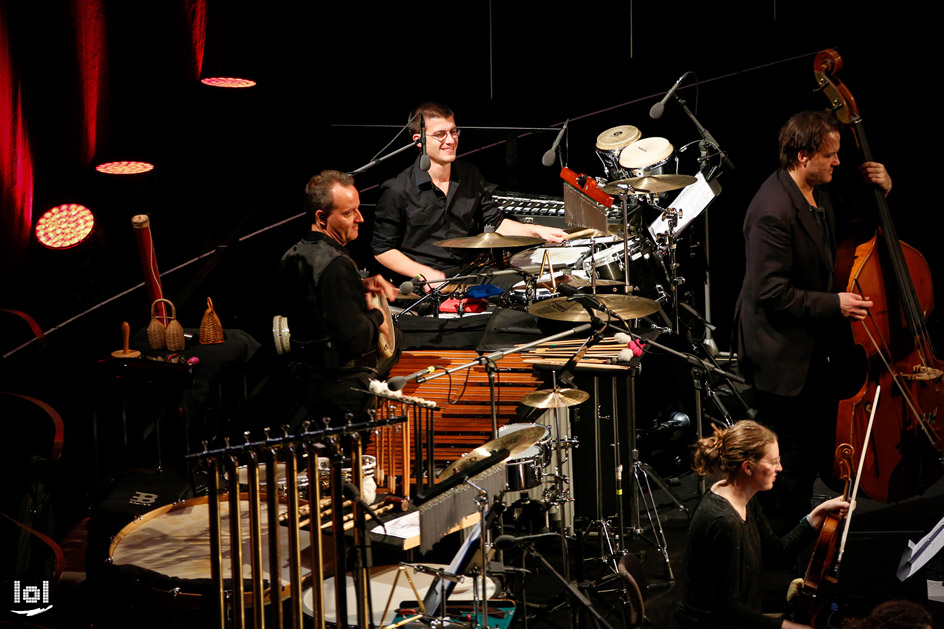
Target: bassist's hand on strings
875, 173
854, 307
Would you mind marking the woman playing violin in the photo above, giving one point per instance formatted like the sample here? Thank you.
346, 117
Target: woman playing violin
729, 533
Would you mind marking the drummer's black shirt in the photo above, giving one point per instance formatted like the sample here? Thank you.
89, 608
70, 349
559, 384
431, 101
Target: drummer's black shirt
412, 214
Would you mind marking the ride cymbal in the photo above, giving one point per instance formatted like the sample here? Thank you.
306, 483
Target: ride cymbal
624, 306
489, 240
515, 442
555, 398
653, 183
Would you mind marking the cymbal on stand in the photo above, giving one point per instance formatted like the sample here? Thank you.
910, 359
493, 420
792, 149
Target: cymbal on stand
515, 442
652, 183
555, 398
624, 306
489, 240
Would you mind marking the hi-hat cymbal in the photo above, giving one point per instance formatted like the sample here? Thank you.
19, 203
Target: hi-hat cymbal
555, 398
515, 442
490, 240
625, 306
653, 183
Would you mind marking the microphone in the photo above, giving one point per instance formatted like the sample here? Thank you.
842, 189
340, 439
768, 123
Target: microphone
398, 382
656, 112
506, 542
424, 156
551, 155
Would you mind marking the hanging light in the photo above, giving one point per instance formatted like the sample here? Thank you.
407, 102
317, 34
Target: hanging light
64, 226
221, 81
124, 168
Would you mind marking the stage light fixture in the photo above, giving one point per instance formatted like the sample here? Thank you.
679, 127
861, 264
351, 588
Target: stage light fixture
220, 81
64, 226
124, 168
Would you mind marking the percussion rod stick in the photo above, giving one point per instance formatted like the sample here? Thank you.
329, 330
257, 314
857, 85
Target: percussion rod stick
315, 545
272, 515
361, 544
236, 546
294, 544
255, 541
216, 541
340, 554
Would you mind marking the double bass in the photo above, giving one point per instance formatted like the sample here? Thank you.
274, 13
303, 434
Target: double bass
904, 453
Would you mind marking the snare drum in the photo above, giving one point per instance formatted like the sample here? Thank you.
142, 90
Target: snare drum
162, 559
646, 271
610, 144
649, 156
560, 256
526, 469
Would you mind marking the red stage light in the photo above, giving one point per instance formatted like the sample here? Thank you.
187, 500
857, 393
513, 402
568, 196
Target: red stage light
220, 81
124, 168
64, 226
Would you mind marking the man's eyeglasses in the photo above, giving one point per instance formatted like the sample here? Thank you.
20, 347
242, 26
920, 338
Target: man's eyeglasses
441, 135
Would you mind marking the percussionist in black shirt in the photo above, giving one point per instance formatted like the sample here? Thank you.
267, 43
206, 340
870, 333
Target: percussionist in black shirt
451, 200
334, 321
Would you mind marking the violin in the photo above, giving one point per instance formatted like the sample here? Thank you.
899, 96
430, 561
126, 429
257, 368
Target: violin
823, 570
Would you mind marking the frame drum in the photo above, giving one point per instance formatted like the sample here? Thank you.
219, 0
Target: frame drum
163, 558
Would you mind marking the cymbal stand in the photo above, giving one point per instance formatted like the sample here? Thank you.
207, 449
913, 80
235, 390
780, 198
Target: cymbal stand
671, 217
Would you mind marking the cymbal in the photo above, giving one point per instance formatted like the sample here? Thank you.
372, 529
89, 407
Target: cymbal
555, 398
490, 240
653, 183
515, 442
582, 282
626, 306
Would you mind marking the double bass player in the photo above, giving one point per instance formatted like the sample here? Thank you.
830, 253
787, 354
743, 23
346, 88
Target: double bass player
788, 313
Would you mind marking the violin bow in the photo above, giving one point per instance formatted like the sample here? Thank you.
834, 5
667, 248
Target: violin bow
855, 485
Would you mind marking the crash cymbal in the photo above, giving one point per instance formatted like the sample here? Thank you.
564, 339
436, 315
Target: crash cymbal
653, 183
515, 442
489, 240
555, 398
625, 306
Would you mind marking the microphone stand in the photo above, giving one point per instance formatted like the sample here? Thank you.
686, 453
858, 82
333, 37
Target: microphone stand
383, 158
706, 135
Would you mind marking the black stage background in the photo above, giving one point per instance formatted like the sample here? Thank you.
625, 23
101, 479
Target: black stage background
232, 163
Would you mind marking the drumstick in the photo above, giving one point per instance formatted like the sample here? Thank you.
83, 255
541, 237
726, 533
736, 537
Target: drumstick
349, 517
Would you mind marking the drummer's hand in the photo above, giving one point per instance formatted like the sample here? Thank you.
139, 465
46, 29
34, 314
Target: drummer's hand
377, 284
432, 275
875, 173
550, 234
836, 505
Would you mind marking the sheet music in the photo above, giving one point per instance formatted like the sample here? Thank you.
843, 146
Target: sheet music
692, 201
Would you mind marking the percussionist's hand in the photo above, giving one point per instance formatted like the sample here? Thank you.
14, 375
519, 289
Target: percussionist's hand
377, 284
875, 173
854, 307
431, 275
550, 234
836, 505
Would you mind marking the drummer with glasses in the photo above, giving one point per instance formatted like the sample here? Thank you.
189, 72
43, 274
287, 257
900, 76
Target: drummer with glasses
451, 200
